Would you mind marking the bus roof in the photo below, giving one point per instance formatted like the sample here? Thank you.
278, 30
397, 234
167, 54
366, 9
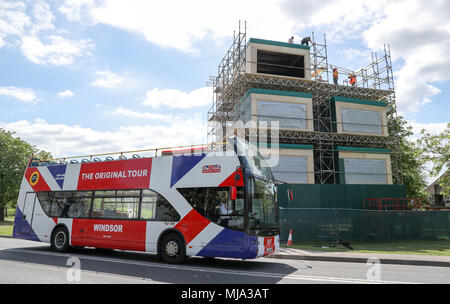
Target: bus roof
145, 153
153, 152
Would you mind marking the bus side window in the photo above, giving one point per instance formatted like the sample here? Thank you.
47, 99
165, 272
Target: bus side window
197, 198
66, 204
46, 203
81, 204
164, 211
61, 204
148, 205
214, 203
156, 207
121, 204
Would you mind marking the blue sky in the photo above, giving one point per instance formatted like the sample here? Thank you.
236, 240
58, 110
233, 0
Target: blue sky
82, 77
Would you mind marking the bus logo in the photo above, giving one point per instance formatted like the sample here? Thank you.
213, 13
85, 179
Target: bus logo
211, 169
34, 178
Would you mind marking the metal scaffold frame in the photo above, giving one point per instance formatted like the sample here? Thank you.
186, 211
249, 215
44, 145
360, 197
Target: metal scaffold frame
375, 82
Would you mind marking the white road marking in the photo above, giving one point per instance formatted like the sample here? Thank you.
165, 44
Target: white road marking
64, 268
215, 270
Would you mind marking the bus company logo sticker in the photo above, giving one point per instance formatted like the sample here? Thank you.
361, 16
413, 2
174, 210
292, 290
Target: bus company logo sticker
211, 169
34, 178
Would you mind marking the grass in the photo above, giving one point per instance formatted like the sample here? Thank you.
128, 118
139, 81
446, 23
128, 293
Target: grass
6, 226
439, 247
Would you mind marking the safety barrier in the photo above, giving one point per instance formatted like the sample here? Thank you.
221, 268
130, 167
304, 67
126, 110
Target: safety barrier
392, 203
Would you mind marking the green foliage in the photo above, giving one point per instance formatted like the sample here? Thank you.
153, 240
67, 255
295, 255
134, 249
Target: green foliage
14, 156
436, 150
43, 155
407, 159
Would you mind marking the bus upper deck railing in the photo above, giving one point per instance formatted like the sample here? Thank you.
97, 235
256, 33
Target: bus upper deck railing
156, 152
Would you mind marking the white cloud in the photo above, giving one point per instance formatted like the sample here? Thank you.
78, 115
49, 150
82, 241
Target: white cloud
64, 140
342, 19
43, 16
145, 115
419, 34
75, 9
177, 99
22, 94
13, 19
181, 24
58, 50
107, 79
29, 26
66, 94
434, 128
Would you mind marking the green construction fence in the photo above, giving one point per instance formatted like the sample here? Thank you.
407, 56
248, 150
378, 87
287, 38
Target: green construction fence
332, 211
335, 195
330, 224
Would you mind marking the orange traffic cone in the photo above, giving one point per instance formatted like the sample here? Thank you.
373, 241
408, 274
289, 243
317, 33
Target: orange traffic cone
289, 242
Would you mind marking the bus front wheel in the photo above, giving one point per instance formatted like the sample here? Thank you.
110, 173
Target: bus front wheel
172, 249
60, 240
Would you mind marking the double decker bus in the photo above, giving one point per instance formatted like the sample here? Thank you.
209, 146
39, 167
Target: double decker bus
176, 204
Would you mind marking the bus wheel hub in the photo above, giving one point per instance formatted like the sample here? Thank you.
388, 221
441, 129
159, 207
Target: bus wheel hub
171, 248
60, 239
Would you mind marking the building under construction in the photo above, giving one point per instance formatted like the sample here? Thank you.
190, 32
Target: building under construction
329, 132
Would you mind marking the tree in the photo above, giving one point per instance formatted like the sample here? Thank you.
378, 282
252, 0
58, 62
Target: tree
14, 156
407, 159
436, 150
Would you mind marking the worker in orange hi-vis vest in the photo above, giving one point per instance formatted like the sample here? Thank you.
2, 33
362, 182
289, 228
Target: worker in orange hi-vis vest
352, 79
335, 75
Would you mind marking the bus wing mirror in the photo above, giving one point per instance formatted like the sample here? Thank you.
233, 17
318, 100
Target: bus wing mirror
233, 194
237, 175
290, 195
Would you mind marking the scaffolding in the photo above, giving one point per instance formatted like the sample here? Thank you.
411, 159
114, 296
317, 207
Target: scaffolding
374, 82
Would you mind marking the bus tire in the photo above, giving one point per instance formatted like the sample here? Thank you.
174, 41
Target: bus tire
172, 249
60, 240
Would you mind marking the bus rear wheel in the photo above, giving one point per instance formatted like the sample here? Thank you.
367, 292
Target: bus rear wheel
60, 240
172, 249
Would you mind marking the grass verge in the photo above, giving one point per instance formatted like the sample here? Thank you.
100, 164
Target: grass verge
6, 226
425, 247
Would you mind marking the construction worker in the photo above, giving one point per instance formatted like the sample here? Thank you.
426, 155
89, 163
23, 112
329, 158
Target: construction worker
291, 40
352, 79
306, 40
335, 75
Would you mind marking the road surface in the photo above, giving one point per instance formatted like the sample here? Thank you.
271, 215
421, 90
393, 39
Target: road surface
31, 262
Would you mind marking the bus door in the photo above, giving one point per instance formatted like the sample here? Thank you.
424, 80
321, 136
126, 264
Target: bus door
27, 215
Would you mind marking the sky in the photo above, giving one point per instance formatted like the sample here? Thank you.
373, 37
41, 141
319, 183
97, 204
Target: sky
83, 76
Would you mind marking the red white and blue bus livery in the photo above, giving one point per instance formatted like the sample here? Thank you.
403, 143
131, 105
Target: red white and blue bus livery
208, 203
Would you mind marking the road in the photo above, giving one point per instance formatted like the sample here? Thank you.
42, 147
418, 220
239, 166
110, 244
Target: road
31, 262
